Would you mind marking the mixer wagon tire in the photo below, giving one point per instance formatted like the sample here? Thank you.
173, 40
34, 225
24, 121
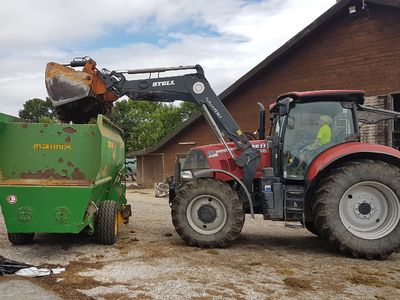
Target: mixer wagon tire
207, 213
357, 209
20, 238
107, 223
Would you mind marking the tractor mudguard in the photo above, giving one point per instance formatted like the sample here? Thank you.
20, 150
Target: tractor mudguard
203, 173
353, 149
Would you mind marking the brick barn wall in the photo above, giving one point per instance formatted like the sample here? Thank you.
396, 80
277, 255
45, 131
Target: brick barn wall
378, 133
347, 53
199, 132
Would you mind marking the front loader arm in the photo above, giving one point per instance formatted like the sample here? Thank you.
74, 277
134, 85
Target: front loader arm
189, 87
192, 87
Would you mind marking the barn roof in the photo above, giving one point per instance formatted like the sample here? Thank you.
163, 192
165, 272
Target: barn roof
275, 56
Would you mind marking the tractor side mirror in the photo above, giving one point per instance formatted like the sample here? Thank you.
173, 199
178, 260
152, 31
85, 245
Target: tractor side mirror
284, 106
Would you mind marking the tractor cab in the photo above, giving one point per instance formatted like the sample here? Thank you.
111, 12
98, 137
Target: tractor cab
307, 123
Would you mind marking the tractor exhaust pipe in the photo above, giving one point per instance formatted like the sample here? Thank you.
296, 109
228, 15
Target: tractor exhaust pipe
261, 126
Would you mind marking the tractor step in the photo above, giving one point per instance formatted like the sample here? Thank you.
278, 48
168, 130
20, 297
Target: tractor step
296, 225
294, 205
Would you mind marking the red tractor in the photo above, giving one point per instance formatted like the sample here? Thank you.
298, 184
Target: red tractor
340, 189
312, 168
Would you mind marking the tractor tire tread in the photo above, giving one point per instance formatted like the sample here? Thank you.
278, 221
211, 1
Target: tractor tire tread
335, 184
105, 229
210, 186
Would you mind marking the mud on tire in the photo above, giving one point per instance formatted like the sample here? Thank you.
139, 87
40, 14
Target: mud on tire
107, 223
357, 209
207, 213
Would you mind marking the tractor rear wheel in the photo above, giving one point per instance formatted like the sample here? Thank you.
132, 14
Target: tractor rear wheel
207, 213
20, 238
357, 209
107, 223
310, 226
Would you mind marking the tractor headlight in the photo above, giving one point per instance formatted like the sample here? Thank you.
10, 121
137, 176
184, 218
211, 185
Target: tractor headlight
195, 160
187, 174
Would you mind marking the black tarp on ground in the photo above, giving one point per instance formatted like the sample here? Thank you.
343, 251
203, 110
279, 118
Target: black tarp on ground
10, 266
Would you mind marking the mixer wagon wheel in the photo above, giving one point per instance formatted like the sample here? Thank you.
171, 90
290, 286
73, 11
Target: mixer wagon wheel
107, 223
20, 238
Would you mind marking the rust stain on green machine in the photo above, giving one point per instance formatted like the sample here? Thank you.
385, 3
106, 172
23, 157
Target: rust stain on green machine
47, 174
69, 130
77, 174
45, 182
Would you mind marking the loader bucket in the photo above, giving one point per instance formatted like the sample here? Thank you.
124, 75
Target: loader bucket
78, 96
65, 85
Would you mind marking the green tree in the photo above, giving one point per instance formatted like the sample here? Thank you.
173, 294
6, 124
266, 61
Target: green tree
36, 109
188, 109
146, 123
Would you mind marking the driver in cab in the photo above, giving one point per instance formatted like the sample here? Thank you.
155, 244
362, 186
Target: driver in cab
324, 133
322, 139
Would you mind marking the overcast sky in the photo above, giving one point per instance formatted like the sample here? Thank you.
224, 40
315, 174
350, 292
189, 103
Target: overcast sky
227, 37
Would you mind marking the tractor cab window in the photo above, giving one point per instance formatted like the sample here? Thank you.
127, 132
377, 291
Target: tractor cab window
311, 128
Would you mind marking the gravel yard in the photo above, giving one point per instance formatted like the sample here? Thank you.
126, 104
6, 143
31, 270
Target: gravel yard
150, 261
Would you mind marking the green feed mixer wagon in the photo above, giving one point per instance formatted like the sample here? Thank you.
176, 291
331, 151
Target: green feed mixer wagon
62, 178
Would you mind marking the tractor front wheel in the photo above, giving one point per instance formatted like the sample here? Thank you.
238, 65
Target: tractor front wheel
207, 213
357, 209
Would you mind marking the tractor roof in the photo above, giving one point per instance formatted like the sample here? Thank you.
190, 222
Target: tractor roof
326, 95
322, 95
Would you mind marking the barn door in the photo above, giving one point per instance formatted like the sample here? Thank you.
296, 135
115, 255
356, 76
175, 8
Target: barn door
153, 169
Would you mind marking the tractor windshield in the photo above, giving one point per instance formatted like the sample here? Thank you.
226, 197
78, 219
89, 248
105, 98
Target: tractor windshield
311, 128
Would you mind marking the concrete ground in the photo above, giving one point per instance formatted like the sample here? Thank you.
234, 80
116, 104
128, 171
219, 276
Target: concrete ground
24, 289
150, 261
